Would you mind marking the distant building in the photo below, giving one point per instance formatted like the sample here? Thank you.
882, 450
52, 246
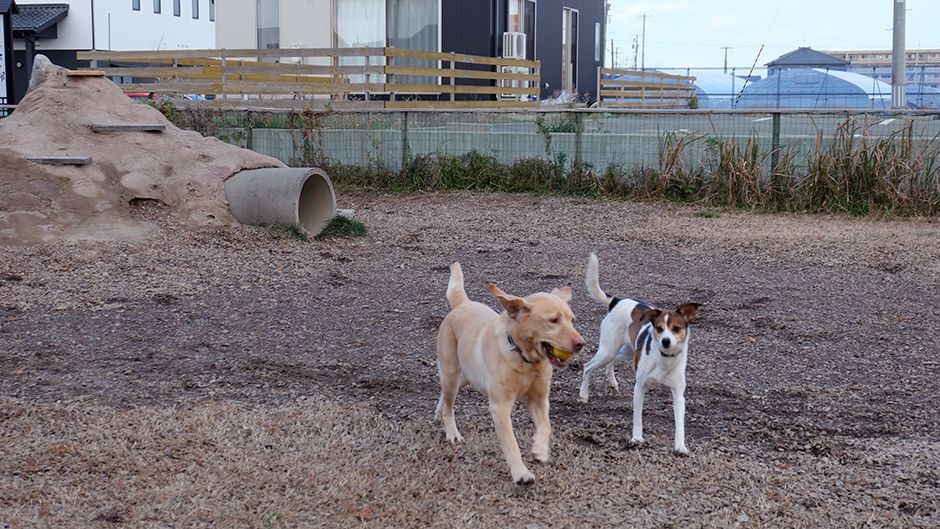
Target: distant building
59, 30
816, 88
7, 10
806, 58
922, 66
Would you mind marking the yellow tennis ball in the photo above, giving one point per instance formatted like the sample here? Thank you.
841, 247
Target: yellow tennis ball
561, 354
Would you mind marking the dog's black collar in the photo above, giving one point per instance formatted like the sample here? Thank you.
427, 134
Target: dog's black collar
670, 356
516, 349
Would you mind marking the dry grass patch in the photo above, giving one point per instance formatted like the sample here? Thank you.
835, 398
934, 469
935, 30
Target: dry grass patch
318, 463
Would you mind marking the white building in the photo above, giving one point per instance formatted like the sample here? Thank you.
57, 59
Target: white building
60, 29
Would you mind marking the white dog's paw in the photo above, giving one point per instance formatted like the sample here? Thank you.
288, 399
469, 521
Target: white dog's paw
636, 442
454, 438
583, 398
681, 451
523, 478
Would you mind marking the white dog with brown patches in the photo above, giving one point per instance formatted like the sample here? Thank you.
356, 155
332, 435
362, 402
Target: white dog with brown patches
658, 341
508, 357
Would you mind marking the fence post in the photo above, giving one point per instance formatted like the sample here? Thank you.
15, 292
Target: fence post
578, 127
775, 143
249, 129
404, 140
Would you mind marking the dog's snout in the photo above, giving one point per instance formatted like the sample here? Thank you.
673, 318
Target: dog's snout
667, 342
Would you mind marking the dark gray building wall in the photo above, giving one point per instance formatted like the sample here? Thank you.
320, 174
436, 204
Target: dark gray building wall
467, 26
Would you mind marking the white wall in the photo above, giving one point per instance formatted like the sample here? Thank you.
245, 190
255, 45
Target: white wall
118, 27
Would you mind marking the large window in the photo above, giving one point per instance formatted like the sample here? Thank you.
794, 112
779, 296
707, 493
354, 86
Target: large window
520, 18
269, 25
407, 24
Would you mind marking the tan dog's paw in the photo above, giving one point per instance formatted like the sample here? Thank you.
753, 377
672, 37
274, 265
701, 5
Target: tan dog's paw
524, 478
541, 457
454, 438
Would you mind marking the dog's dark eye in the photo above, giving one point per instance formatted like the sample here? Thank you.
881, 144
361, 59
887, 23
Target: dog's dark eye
659, 328
676, 330
556, 319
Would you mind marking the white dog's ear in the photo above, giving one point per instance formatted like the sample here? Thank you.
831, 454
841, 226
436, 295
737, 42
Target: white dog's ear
564, 293
689, 311
515, 306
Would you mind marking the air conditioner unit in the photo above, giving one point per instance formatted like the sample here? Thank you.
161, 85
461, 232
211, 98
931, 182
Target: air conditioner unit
513, 45
515, 83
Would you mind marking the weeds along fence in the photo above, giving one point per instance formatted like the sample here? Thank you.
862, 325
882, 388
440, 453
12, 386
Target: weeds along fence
792, 161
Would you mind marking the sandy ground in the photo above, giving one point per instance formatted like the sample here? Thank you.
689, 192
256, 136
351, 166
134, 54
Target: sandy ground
225, 378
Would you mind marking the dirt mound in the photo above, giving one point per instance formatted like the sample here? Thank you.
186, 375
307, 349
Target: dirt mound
181, 169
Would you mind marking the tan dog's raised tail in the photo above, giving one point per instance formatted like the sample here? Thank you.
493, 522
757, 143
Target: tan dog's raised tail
508, 357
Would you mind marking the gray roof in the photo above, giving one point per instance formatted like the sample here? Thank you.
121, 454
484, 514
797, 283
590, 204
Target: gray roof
6, 5
35, 18
807, 57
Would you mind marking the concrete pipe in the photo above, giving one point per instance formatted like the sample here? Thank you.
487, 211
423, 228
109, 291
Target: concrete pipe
287, 196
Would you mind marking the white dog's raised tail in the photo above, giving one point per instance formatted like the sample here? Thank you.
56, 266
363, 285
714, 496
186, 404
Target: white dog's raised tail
455, 292
592, 281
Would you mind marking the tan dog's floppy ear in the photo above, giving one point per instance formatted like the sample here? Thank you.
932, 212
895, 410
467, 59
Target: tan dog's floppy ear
651, 315
564, 293
516, 307
689, 311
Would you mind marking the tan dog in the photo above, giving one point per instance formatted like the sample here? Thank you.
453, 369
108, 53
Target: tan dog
506, 356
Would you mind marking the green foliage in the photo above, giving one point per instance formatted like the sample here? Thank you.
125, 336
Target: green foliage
342, 227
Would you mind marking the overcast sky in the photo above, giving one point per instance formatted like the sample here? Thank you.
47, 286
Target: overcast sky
683, 33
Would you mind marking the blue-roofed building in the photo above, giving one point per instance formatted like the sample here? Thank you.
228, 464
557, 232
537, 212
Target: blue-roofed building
816, 88
803, 58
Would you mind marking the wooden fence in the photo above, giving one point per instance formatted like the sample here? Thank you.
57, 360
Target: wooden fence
339, 77
641, 89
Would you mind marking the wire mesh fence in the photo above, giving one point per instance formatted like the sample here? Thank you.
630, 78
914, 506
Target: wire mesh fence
576, 137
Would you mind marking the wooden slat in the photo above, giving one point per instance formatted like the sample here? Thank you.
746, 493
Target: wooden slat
643, 84
645, 104
144, 55
282, 68
641, 73
460, 74
459, 104
655, 94
460, 57
458, 89
164, 72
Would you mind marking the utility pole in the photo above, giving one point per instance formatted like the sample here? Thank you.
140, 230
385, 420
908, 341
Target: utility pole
636, 49
613, 55
898, 57
643, 53
726, 48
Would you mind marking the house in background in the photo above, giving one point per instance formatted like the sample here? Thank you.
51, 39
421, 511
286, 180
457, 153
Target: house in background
7, 10
804, 58
59, 30
567, 36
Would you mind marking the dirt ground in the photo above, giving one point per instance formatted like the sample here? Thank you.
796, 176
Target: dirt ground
227, 378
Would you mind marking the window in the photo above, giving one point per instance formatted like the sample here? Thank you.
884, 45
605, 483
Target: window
135, 5
269, 26
361, 24
520, 18
412, 25
156, 6
597, 42
176, 8
196, 9
212, 10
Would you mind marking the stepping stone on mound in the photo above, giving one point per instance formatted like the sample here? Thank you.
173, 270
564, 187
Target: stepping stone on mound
61, 160
129, 127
